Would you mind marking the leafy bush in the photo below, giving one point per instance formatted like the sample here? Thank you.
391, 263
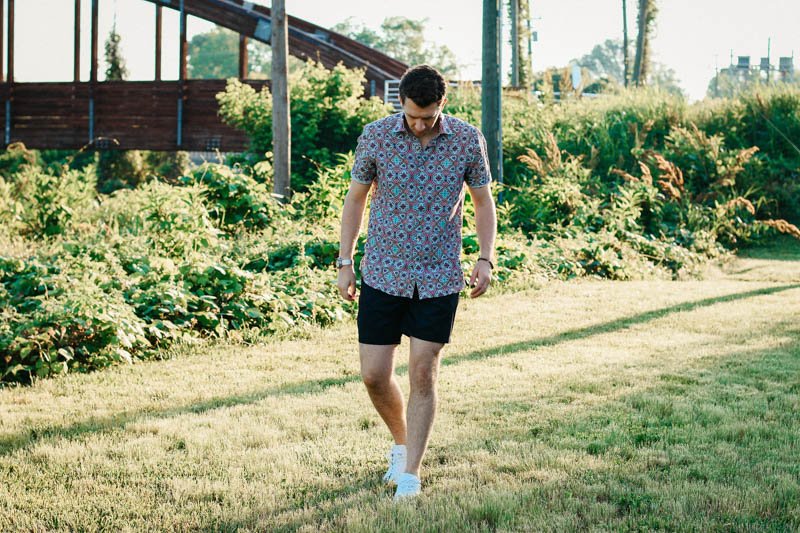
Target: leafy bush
769, 118
47, 204
630, 186
234, 198
67, 314
552, 197
327, 114
159, 218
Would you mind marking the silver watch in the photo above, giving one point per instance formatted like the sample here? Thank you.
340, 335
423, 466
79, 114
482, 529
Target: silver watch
342, 262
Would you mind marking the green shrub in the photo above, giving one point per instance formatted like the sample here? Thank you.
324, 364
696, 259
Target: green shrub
62, 314
327, 114
47, 204
119, 169
769, 118
159, 218
233, 197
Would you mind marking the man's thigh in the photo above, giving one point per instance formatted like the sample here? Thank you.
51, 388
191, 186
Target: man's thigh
377, 359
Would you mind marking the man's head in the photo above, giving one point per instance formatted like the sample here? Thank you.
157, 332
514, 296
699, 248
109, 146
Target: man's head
422, 95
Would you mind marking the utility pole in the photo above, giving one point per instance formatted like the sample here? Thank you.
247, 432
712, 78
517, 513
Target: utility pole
625, 60
769, 66
281, 125
514, 43
641, 41
491, 85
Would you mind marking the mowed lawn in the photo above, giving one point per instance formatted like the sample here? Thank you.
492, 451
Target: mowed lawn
589, 405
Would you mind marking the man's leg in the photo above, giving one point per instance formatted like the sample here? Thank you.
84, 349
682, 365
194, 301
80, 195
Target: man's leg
377, 372
423, 368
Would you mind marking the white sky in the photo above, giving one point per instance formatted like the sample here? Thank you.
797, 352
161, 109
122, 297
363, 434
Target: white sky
691, 36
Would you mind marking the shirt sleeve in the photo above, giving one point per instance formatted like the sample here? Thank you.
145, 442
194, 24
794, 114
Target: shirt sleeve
478, 173
364, 169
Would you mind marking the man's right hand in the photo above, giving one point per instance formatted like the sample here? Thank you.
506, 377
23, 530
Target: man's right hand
347, 283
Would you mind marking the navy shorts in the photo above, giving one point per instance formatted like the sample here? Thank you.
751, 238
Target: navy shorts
384, 318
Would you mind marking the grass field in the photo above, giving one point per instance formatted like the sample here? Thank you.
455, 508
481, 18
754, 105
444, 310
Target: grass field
590, 405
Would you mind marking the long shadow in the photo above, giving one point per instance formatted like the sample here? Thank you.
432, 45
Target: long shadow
520, 433
614, 325
11, 443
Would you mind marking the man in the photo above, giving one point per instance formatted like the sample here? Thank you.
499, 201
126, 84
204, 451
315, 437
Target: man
417, 161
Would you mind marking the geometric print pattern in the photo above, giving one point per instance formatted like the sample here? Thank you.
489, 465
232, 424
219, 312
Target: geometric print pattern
414, 230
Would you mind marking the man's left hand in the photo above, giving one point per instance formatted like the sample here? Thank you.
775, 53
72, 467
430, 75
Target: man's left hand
480, 279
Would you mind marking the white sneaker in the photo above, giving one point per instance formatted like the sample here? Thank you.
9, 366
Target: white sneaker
397, 463
408, 486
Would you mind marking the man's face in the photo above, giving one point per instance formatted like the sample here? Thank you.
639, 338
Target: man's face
421, 120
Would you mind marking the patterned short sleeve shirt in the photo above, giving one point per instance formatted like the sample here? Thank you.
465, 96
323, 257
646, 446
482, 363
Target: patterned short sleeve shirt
414, 231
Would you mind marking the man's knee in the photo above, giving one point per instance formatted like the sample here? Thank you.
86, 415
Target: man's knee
376, 379
423, 378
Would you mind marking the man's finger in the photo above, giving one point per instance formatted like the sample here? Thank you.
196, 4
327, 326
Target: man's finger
481, 287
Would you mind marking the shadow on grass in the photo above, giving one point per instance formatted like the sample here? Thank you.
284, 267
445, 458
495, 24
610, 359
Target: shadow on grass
669, 432
11, 443
782, 248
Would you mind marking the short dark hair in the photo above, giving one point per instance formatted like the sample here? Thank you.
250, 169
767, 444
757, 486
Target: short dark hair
423, 84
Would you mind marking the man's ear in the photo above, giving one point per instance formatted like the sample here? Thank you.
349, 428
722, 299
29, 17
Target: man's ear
444, 101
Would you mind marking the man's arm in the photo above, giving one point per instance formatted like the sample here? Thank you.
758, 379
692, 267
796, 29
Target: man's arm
352, 214
486, 227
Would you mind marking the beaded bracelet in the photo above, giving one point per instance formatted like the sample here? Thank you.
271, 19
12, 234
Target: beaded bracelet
491, 265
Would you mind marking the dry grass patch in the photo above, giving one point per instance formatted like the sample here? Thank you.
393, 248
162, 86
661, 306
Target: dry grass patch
588, 405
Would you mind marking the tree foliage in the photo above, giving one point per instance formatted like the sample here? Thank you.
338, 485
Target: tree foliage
215, 55
328, 114
115, 63
731, 82
403, 39
605, 64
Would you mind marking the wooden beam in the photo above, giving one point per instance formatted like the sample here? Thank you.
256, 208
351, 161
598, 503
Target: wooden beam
2, 57
93, 64
10, 76
76, 76
181, 75
281, 124
244, 69
184, 46
159, 24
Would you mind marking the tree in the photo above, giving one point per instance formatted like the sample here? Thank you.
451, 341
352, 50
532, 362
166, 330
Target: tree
117, 169
729, 82
115, 63
403, 39
606, 65
215, 55
606, 61
646, 23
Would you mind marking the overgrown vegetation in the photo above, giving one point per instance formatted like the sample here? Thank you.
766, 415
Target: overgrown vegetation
638, 185
588, 406
328, 114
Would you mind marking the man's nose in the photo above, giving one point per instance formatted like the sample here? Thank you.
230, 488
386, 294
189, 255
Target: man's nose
419, 126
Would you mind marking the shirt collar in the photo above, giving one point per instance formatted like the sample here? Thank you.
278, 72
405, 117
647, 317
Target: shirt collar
444, 124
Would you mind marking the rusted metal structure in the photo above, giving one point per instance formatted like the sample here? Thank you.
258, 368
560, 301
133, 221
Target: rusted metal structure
158, 114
